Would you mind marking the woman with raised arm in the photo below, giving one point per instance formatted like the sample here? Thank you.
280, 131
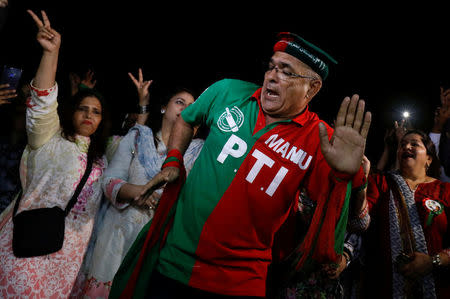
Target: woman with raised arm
57, 157
138, 158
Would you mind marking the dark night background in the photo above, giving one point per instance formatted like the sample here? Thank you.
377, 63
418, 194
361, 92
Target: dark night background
393, 58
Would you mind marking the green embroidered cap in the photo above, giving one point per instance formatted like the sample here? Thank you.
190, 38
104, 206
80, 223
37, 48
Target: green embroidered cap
311, 55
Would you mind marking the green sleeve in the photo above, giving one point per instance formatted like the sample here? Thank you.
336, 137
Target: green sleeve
198, 112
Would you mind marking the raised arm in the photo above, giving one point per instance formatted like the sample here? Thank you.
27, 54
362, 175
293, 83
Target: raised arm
42, 120
144, 96
50, 40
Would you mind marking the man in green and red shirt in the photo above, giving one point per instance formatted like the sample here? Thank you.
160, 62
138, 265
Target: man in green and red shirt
264, 145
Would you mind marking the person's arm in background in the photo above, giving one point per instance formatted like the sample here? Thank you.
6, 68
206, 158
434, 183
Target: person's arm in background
443, 123
6, 94
144, 96
180, 138
352, 247
182, 133
444, 147
115, 179
389, 145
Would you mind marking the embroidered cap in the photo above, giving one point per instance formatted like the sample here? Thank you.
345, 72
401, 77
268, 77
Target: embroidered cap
311, 55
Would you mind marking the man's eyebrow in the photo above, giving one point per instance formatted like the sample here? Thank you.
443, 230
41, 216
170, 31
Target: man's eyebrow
282, 64
285, 65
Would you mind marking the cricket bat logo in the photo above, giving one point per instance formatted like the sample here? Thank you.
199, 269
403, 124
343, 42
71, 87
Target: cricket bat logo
230, 120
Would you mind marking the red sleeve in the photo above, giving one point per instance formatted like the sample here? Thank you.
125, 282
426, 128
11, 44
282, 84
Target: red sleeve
376, 185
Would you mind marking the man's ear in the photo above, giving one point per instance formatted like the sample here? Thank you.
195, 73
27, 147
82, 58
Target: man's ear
314, 87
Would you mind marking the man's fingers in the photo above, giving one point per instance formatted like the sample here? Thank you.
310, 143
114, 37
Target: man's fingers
366, 124
350, 115
155, 183
340, 119
359, 115
323, 136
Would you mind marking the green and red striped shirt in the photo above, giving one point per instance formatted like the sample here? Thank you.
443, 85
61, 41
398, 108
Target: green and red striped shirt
240, 190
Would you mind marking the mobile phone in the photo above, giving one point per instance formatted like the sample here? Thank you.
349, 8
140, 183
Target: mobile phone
11, 76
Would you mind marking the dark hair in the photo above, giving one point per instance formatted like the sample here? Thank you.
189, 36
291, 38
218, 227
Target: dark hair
67, 110
435, 167
155, 117
445, 82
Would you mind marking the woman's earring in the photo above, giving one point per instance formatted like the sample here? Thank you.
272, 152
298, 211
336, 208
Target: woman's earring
163, 110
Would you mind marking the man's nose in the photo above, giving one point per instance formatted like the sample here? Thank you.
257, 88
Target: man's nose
272, 74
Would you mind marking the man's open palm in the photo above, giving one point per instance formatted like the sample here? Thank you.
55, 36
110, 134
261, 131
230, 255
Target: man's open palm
345, 150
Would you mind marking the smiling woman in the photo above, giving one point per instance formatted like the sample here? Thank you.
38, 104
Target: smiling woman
411, 205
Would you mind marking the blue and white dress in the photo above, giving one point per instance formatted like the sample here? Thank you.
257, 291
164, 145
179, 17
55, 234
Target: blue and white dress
136, 161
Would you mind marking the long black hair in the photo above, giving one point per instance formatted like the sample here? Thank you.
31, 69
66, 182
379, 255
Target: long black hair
67, 110
435, 167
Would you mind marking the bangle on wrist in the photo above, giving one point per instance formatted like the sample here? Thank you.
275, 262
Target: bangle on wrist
364, 211
347, 258
436, 261
143, 109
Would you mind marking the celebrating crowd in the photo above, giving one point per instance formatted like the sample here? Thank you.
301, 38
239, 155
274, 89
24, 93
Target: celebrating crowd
241, 192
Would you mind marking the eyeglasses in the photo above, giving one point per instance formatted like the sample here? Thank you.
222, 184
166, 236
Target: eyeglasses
283, 74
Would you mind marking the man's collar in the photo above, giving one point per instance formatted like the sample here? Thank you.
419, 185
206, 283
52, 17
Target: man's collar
300, 119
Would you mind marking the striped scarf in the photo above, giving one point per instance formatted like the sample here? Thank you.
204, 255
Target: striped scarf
398, 281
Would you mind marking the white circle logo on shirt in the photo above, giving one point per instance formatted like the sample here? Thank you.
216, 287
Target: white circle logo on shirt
231, 120
433, 206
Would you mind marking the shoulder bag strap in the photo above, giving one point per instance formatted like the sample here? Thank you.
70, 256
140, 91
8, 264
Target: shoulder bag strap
74, 198
80, 186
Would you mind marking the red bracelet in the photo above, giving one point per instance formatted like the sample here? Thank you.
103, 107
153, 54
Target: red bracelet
364, 212
174, 153
171, 164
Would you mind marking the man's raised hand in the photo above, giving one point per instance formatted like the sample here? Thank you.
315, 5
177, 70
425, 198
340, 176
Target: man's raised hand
345, 150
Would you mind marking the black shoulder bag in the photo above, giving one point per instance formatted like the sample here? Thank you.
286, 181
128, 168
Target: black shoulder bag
41, 231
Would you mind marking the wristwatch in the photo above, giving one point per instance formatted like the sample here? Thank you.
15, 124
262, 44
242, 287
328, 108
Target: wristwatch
436, 261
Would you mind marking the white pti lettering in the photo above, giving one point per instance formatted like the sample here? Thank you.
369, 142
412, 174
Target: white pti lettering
277, 181
229, 148
236, 147
261, 160
281, 146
